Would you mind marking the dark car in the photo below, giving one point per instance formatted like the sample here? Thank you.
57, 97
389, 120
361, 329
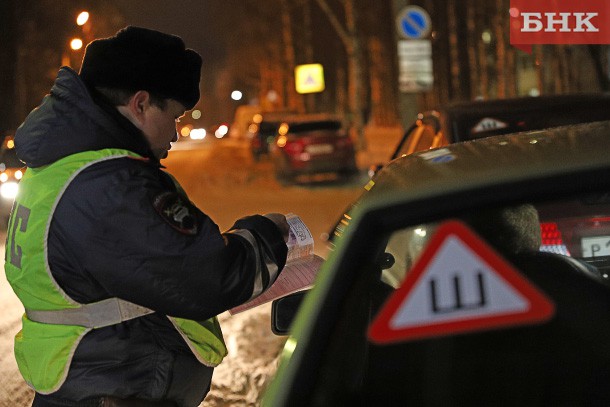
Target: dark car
475, 274
261, 134
310, 145
473, 120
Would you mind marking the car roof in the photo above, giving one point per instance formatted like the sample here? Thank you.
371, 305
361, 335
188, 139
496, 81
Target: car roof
547, 102
524, 113
495, 160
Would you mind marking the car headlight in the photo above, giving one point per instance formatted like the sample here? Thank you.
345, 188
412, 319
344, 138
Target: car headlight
8, 190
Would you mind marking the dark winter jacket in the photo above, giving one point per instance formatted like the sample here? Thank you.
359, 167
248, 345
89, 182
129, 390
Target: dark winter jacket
108, 238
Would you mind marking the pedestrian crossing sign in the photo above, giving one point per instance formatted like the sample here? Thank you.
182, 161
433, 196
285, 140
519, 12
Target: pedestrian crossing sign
459, 284
309, 78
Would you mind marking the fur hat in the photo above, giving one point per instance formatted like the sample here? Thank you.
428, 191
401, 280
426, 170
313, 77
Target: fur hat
142, 59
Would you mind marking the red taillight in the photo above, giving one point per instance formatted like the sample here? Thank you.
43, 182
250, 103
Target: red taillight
552, 241
294, 146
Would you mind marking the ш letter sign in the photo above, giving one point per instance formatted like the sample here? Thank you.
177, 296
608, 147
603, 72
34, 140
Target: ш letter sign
559, 22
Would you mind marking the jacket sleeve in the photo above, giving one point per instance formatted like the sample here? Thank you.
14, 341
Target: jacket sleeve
110, 237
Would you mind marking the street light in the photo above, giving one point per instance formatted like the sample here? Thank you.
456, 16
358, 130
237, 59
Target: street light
82, 18
236, 95
76, 44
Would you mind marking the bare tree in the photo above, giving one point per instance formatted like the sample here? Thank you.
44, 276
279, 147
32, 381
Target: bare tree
308, 45
295, 103
500, 50
350, 38
43, 37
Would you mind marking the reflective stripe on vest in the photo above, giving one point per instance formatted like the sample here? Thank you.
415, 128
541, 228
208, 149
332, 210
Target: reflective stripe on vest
54, 323
94, 315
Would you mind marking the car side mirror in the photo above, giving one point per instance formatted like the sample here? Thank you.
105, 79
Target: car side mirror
283, 311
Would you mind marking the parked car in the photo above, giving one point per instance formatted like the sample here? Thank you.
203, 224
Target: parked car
261, 133
11, 171
464, 121
438, 293
312, 145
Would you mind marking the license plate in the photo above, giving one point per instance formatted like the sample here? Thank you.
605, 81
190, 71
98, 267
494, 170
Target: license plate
319, 148
595, 246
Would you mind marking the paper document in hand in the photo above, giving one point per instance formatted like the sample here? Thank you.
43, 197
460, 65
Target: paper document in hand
297, 275
300, 270
300, 240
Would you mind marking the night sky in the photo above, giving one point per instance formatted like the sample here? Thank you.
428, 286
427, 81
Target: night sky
201, 23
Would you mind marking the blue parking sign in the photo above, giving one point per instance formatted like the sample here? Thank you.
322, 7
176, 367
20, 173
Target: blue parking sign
413, 22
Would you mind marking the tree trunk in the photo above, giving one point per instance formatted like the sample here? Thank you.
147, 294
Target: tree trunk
308, 44
500, 49
473, 39
454, 64
341, 95
440, 55
483, 73
355, 73
293, 99
463, 54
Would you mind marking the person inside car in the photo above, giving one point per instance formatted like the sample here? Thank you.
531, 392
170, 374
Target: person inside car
120, 274
514, 231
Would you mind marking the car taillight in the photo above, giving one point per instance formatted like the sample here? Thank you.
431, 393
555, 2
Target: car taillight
295, 146
552, 240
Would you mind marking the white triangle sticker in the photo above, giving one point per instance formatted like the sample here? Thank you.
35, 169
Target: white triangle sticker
459, 284
488, 124
471, 289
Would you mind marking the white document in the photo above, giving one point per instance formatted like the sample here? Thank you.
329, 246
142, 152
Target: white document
301, 267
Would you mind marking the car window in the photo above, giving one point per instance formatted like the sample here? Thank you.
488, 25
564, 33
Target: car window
268, 128
311, 126
560, 248
422, 137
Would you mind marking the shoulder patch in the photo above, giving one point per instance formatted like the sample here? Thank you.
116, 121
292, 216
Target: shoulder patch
177, 211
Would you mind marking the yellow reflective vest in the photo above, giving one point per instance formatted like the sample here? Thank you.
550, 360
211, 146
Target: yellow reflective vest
54, 324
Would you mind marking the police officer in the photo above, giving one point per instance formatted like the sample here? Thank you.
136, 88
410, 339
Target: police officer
120, 275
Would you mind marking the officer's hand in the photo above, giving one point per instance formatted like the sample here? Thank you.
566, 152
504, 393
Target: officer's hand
280, 222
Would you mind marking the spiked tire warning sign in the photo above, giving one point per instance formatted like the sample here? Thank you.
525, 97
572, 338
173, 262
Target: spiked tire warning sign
459, 284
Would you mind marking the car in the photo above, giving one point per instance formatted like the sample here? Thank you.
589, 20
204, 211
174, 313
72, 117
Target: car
462, 121
471, 274
261, 133
307, 145
11, 172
